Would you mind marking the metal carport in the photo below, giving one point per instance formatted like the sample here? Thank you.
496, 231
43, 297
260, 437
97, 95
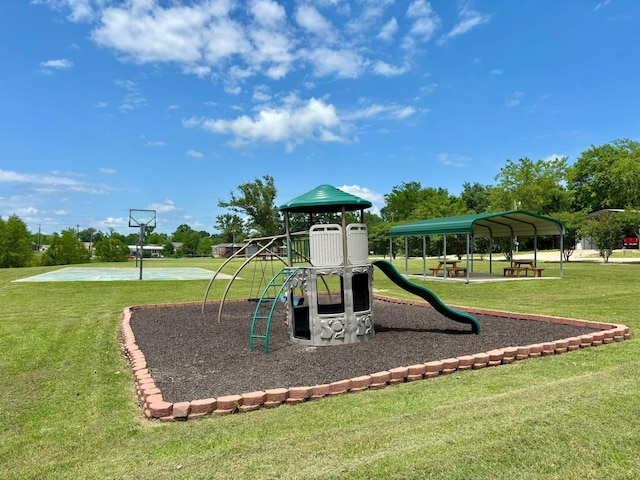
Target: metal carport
484, 225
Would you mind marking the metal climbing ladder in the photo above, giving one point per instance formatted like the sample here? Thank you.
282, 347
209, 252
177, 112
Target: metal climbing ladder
266, 305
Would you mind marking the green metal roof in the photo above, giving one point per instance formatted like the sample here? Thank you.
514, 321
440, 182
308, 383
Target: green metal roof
496, 224
325, 199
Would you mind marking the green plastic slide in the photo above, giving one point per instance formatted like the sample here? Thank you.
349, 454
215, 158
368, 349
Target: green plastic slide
396, 277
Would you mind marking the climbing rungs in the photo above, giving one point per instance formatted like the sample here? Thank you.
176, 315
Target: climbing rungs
277, 285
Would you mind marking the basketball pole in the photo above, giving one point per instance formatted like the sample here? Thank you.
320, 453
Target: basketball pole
141, 248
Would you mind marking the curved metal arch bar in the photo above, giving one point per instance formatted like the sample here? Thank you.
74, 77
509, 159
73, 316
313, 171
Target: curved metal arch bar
245, 263
215, 274
231, 257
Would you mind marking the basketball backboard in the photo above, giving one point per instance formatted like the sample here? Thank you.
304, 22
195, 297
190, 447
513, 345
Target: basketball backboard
142, 218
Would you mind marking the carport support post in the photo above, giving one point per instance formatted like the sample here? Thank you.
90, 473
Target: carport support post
561, 251
424, 256
406, 255
444, 245
468, 262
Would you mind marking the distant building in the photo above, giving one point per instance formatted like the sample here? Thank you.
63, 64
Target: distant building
149, 250
225, 250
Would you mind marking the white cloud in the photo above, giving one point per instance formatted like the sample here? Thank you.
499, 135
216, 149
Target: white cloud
295, 121
429, 88
164, 207
425, 22
50, 184
112, 222
261, 94
231, 41
9, 176
81, 10
101, 105
158, 143
363, 192
146, 32
388, 30
199, 71
601, 4
233, 89
267, 12
108, 171
497, 71
403, 112
553, 157
381, 111
386, 70
132, 98
26, 211
468, 20
292, 123
343, 63
516, 98
453, 160
194, 154
272, 50
311, 20
59, 64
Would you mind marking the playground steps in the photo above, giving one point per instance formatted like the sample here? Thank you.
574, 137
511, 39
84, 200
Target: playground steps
261, 322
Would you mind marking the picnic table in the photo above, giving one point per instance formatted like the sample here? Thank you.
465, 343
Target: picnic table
452, 268
523, 266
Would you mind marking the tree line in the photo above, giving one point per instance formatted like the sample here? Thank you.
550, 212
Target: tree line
602, 178
20, 248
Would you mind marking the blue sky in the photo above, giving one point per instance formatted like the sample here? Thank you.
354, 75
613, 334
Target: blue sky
108, 105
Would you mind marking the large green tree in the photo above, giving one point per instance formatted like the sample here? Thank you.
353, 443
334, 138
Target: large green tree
535, 186
231, 227
188, 237
205, 246
256, 202
607, 232
476, 197
410, 202
16, 249
607, 176
65, 249
112, 249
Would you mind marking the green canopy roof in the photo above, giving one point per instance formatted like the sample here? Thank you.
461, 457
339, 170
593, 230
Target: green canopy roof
496, 224
325, 199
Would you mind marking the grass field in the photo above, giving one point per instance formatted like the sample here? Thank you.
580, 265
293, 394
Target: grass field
68, 406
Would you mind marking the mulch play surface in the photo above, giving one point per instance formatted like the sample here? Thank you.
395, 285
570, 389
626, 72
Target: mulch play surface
191, 356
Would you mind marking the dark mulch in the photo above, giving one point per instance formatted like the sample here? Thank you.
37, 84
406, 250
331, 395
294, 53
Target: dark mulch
192, 356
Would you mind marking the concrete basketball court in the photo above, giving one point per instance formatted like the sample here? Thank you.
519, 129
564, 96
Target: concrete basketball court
113, 274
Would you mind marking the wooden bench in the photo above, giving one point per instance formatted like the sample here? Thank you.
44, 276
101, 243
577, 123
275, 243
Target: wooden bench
435, 270
514, 271
456, 271
537, 272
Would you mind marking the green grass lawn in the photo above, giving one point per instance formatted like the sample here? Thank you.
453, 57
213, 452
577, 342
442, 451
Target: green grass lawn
68, 407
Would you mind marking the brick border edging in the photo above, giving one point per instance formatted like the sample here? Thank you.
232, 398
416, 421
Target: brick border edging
155, 407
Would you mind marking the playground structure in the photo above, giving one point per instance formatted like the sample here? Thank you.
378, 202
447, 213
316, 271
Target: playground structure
326, 279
